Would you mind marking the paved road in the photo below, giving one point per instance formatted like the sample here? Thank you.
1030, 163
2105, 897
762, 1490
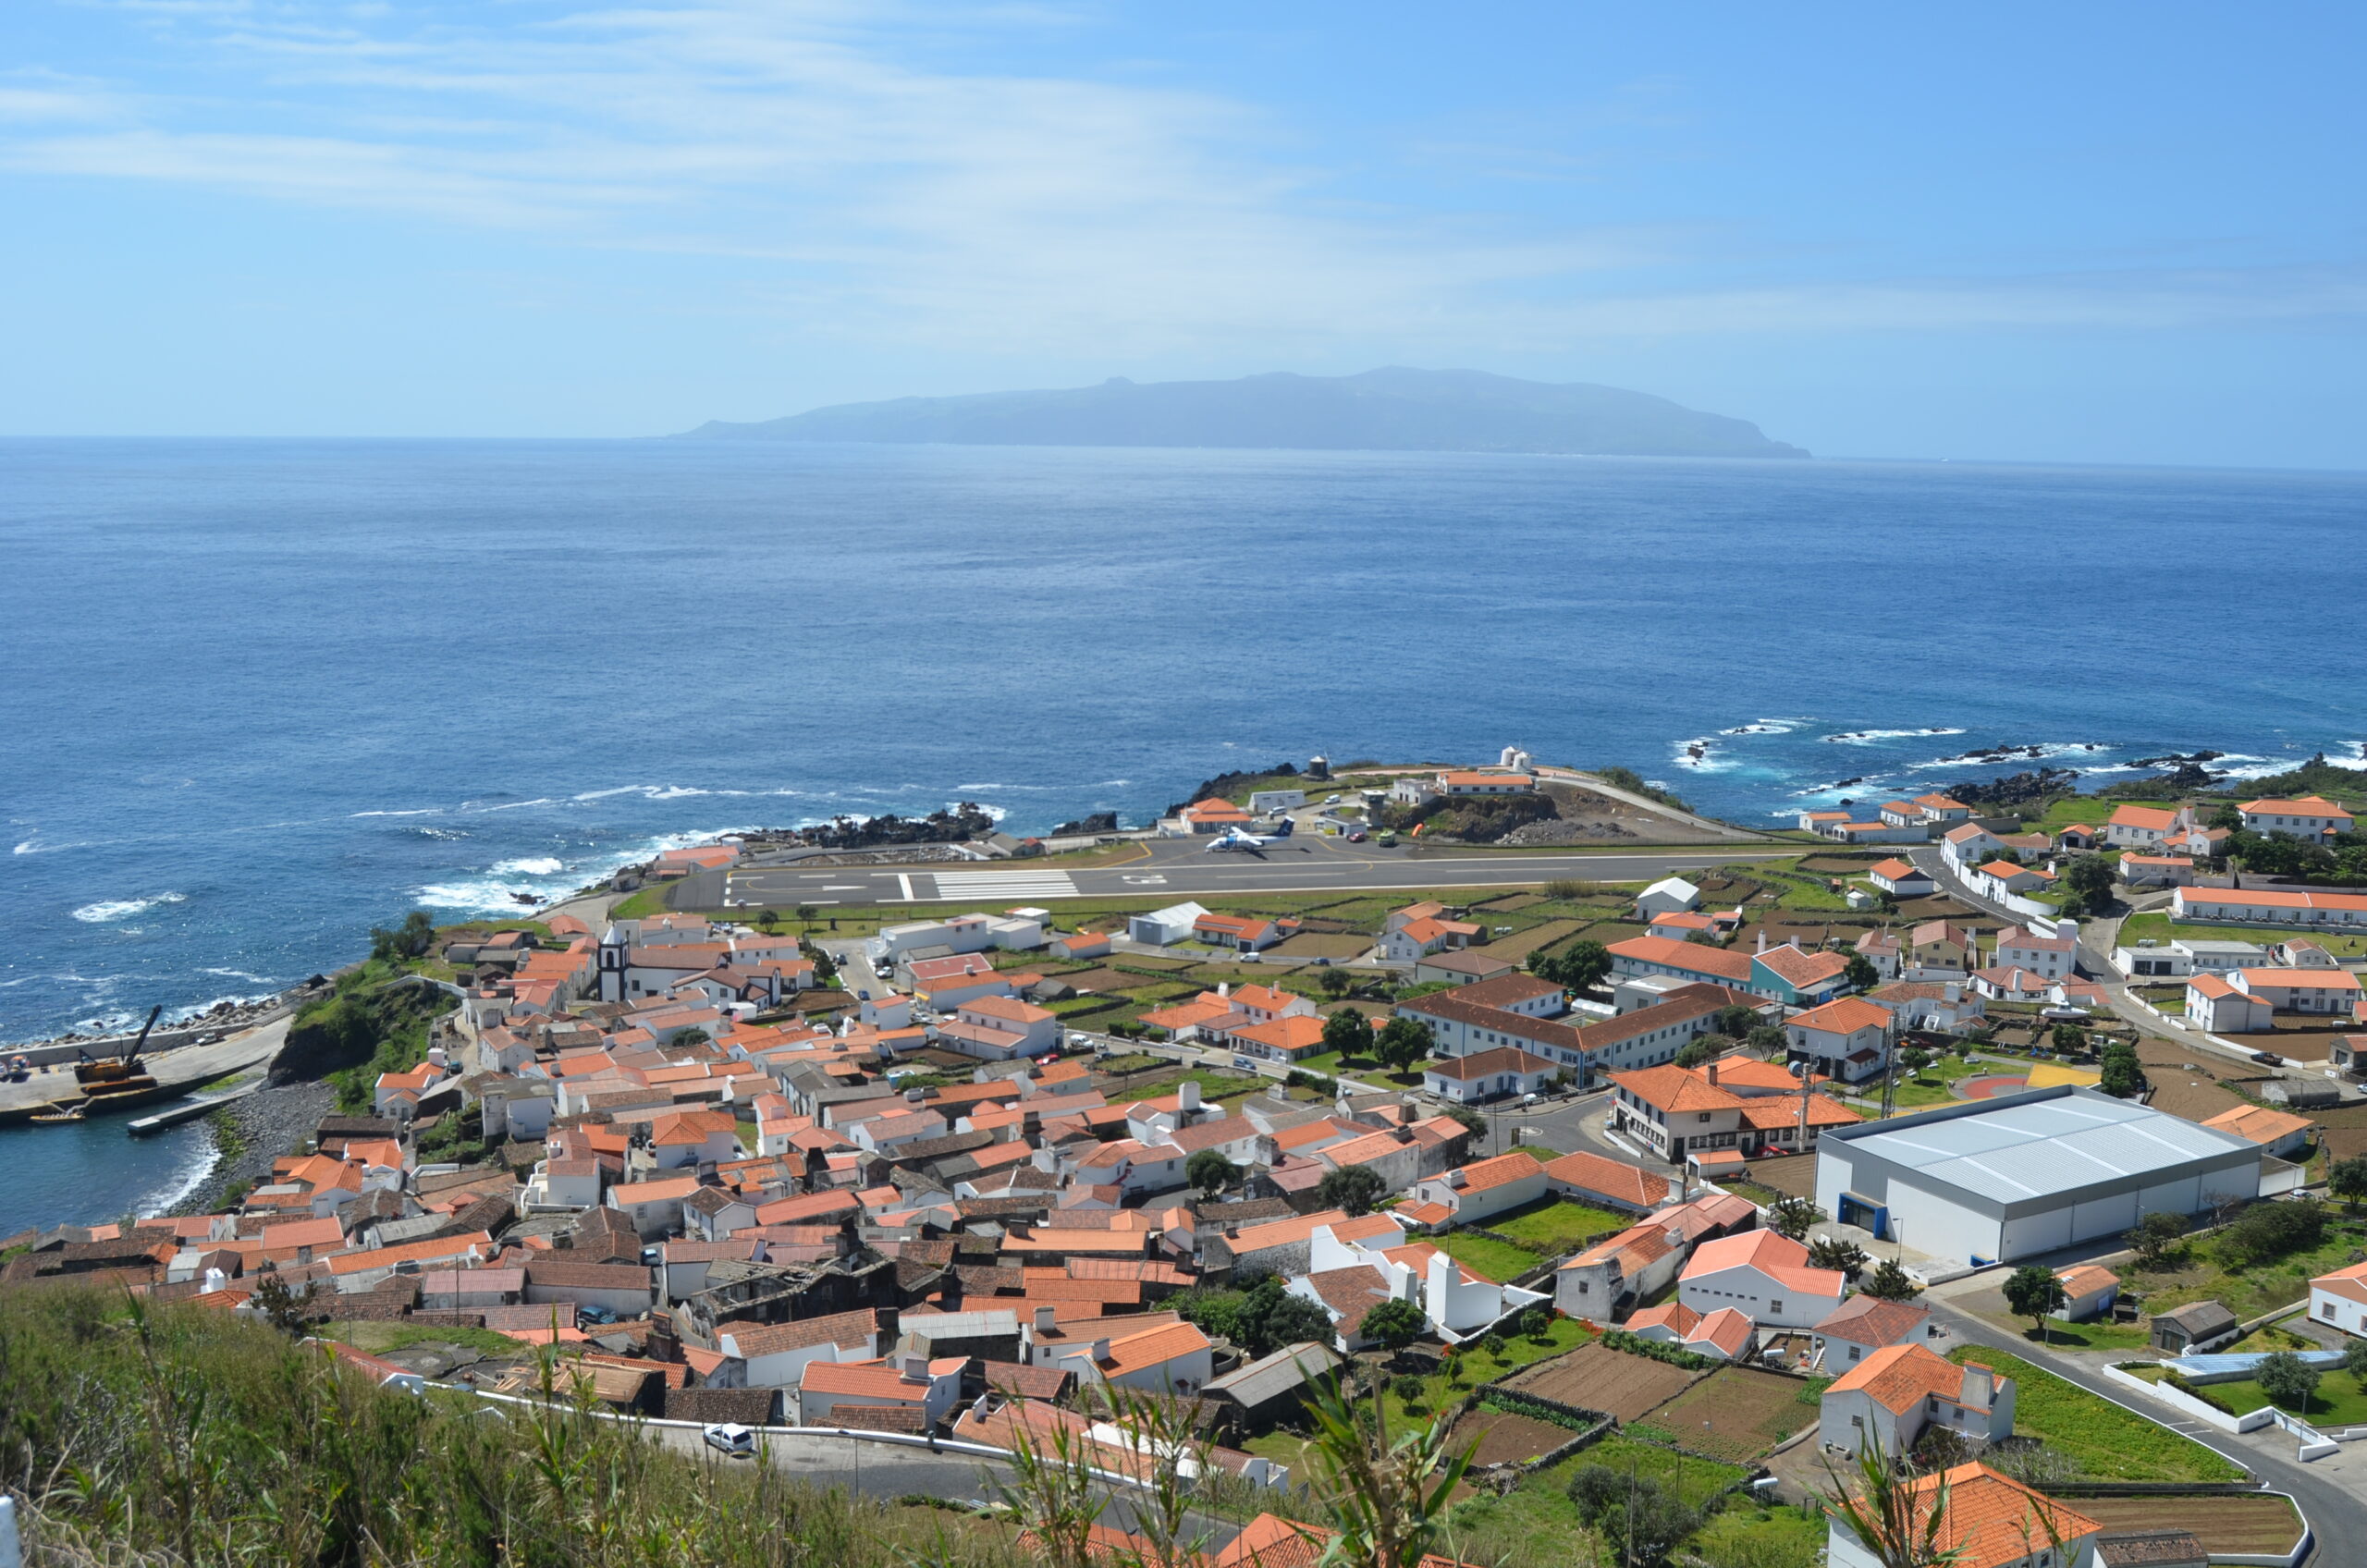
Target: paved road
1180, 869
2327, 1489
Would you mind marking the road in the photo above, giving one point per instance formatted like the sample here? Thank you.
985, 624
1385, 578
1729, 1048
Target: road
1187, 868
2327, 1488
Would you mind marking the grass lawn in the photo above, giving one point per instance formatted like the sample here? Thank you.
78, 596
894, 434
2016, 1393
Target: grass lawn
1544, 1156
2196, 1275
1487, 1257
1929, 1086
2108, 1442
2339, 1401
1746, 1536
1555, 1226
2098, 1335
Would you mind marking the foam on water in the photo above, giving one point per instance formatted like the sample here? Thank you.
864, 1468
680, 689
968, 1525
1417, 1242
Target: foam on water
123, 908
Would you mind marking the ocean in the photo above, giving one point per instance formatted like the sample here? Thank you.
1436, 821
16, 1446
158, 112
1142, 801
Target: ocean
262, 695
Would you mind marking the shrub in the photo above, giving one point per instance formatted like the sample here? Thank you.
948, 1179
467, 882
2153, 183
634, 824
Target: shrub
1675, 1355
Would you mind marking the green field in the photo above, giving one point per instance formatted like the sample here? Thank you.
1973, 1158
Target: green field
1554, 1226
2339, 1401
2197, 1275
2108, 1442
1487, 1257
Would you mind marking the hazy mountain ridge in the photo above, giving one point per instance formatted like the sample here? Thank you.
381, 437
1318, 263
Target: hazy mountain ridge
1393, 409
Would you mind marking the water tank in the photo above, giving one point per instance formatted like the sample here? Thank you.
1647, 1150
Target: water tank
1318, 767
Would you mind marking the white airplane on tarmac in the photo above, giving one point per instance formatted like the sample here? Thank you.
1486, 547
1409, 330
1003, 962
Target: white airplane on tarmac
1235, 838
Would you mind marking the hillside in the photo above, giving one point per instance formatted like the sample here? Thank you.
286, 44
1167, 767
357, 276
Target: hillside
1388, 410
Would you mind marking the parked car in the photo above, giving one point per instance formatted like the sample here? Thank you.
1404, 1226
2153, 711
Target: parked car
731, 1438
2268, 1059
1357, 836
1245, 1064
862, 995
1388, 839
1248, 957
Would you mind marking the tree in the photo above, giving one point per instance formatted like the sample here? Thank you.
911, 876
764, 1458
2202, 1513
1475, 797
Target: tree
1767, 1037
2225, 816
2072, 1040
1210, 1171
767, 918
1640, 1518
1348, 1033
805, 914
2347, 1179
1333, 982
1538, 1324
1395, 1324
2032, 1291
1699, 1049
1580, 966
1793, 1217
1270, 1318
283, 1309
1402, 1043
1351, 1187
1734, 1020
1860, 973
1468, 1120
692, 1037
2089, 880
2122, 1077
2286, 1378
1409, 1388
1915, 1059
1838, 1253
2354, 1360
2155, 1238
412, 939
1890, 1283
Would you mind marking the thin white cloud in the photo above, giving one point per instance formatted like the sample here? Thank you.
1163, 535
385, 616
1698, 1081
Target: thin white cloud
986, 210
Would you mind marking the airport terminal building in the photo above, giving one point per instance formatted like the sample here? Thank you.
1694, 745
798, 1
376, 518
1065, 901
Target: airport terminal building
1991, 1181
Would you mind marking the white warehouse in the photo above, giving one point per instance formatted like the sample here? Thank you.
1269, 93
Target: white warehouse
1990, 1181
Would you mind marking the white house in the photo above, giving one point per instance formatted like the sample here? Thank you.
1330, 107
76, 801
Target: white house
2089, 1290
2221, 1009
1764, 1275
2310, 818
2050, 957
1491, 1074
1668, 896
1890, 1397
1900, 879
1726, 1334
775, 1355
1174, 1358
1989, 1522
1847, 1039
1475, 1193
2270, 906
2340, 1299
907, 1382
2301, 990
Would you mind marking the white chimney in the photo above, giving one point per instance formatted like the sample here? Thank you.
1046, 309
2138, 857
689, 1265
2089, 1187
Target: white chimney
1454, 1176
1045, 1160
1224, 987
1954, 992
916, 1369
915, 1096
1187, 1095
216, 1279
1101, 1349
1980, 1387
1762, 940
1045, 1322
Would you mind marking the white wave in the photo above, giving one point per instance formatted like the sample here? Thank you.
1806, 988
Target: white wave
439, 832
1115, 784
530, 865
202, 1157
479, 895
241, 975
121, 909
2239, 765
422, 810
1867, 736
1706, 761
26, 846
512, 805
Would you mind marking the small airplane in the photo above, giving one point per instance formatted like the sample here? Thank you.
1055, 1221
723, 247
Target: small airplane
1235, 838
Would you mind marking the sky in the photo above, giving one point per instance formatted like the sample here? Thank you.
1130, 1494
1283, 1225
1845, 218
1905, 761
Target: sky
2112, 232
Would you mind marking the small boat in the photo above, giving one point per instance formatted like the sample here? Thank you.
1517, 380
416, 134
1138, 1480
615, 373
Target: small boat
61, 1112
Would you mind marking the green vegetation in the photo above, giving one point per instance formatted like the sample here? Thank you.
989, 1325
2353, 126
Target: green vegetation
157, 1435
2250, 1281
374, 1021
2106, 1441
1486, 1256
378, 1338
1554, 1226
1261, 1319
2157, 926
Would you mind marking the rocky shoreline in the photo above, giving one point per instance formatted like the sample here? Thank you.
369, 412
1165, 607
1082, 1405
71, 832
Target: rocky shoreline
252, 1133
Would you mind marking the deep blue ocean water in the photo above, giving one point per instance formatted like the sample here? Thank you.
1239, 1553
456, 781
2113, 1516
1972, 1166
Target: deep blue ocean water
259, 695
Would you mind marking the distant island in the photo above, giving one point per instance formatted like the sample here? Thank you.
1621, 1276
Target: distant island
1393, 409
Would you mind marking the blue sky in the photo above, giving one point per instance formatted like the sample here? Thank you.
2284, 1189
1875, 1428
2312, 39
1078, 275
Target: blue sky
2117, 233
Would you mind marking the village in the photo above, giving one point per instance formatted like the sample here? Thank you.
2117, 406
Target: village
1942, 1151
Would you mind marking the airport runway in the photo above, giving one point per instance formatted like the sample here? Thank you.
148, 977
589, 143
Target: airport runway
1183, 869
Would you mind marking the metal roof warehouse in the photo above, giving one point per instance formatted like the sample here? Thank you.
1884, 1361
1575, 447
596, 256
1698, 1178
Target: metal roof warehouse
2006, 1177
